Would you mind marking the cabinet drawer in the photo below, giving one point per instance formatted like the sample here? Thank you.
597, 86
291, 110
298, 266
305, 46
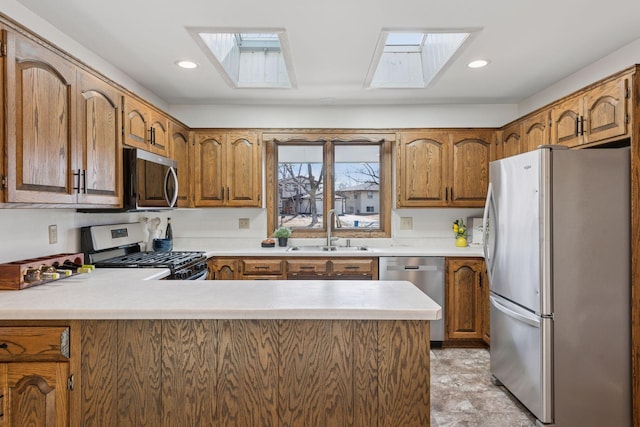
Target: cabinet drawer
352, 266
296, 266
261, 266
34, 343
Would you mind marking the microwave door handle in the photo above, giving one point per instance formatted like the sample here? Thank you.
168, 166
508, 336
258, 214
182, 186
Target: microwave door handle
174, 197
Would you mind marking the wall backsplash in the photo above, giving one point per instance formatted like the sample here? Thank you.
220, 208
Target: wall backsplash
25, 231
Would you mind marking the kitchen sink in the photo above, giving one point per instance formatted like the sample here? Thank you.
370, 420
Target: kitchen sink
318, 248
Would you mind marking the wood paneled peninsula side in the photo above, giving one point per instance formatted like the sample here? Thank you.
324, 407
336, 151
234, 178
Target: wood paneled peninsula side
241, 353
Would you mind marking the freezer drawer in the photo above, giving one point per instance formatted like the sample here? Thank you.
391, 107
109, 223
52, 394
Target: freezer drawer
521, 356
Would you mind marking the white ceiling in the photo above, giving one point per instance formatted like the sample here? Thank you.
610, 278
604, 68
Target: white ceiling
530, 43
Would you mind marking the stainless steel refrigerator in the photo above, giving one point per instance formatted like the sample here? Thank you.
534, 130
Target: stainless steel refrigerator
557, 249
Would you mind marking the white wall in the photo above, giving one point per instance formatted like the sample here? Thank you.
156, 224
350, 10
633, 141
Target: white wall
616, 61
25, 17
356, 116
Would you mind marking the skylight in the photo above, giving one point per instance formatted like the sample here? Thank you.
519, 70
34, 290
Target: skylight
412, 59
250, 58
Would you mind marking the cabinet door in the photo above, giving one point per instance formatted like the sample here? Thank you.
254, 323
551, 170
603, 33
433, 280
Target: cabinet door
421, 169
35, 394
209, 169
565, 123
535, 131
223, 269
464, 308
136, 124
244, 169
512, 140
40, 136
605, 111
99, 132
180, 149
159, 125
472, 152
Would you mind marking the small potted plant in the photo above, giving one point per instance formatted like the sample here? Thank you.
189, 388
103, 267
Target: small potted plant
460, 231
282, 233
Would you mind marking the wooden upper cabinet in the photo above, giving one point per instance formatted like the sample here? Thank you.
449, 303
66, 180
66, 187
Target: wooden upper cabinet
136, 124
472, 153
511, 143
599, 114
99, 133
159, 124
144, 127
565, 122
535, 131
180, 151
421, 169
228, 169
209, 169
605, 110
444, 168
244, 169
40, 105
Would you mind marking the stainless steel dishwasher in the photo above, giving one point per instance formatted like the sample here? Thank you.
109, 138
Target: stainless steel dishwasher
427, 273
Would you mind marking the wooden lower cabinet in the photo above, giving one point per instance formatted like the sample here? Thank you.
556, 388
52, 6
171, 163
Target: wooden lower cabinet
293, 268
255, 373
467, 302
223, 269
35, 376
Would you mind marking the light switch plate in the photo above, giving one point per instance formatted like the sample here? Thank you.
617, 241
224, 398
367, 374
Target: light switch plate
243, 223
53, 234
406, 223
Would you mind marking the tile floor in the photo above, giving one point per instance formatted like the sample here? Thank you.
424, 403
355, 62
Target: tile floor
462, 393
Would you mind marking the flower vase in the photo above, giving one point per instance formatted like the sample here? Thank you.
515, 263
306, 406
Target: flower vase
282, 241
461, 242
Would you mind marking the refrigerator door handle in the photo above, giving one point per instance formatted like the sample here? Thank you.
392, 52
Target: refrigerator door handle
532, 321
485, 224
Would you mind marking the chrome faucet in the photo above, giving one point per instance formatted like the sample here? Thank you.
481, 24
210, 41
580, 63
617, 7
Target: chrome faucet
330, 223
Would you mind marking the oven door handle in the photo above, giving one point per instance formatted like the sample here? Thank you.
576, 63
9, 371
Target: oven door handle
203, 275
171, 201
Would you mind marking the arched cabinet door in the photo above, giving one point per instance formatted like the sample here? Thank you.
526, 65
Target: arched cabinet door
472, 152
465, 306
99, 132
40, 105
605, 111
243, 161
180, 149
209, 169
421, 169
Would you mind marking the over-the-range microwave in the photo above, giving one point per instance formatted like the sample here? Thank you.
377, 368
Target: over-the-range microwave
150, 180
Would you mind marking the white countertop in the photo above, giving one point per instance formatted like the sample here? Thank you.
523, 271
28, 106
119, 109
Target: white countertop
138, 294
428, 247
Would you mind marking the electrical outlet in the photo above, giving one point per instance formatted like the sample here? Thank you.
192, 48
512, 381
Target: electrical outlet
406, 223
53, 234
243, 223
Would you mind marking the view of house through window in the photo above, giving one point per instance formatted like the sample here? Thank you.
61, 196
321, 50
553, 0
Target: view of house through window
302, 190
357, 185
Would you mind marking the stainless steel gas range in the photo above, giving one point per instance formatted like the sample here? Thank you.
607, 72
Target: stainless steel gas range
118, 246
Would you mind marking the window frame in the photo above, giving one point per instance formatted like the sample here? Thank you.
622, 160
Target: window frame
328, 141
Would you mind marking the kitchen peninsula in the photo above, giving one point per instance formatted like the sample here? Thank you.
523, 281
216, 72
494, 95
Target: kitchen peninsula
124, 350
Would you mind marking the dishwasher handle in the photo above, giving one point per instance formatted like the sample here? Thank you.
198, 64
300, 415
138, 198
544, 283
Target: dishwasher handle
411, 268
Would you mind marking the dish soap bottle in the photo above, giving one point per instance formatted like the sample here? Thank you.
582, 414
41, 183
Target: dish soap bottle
169, 233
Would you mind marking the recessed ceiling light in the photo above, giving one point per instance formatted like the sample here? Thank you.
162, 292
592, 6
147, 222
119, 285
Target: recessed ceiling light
186, 64
478, 63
